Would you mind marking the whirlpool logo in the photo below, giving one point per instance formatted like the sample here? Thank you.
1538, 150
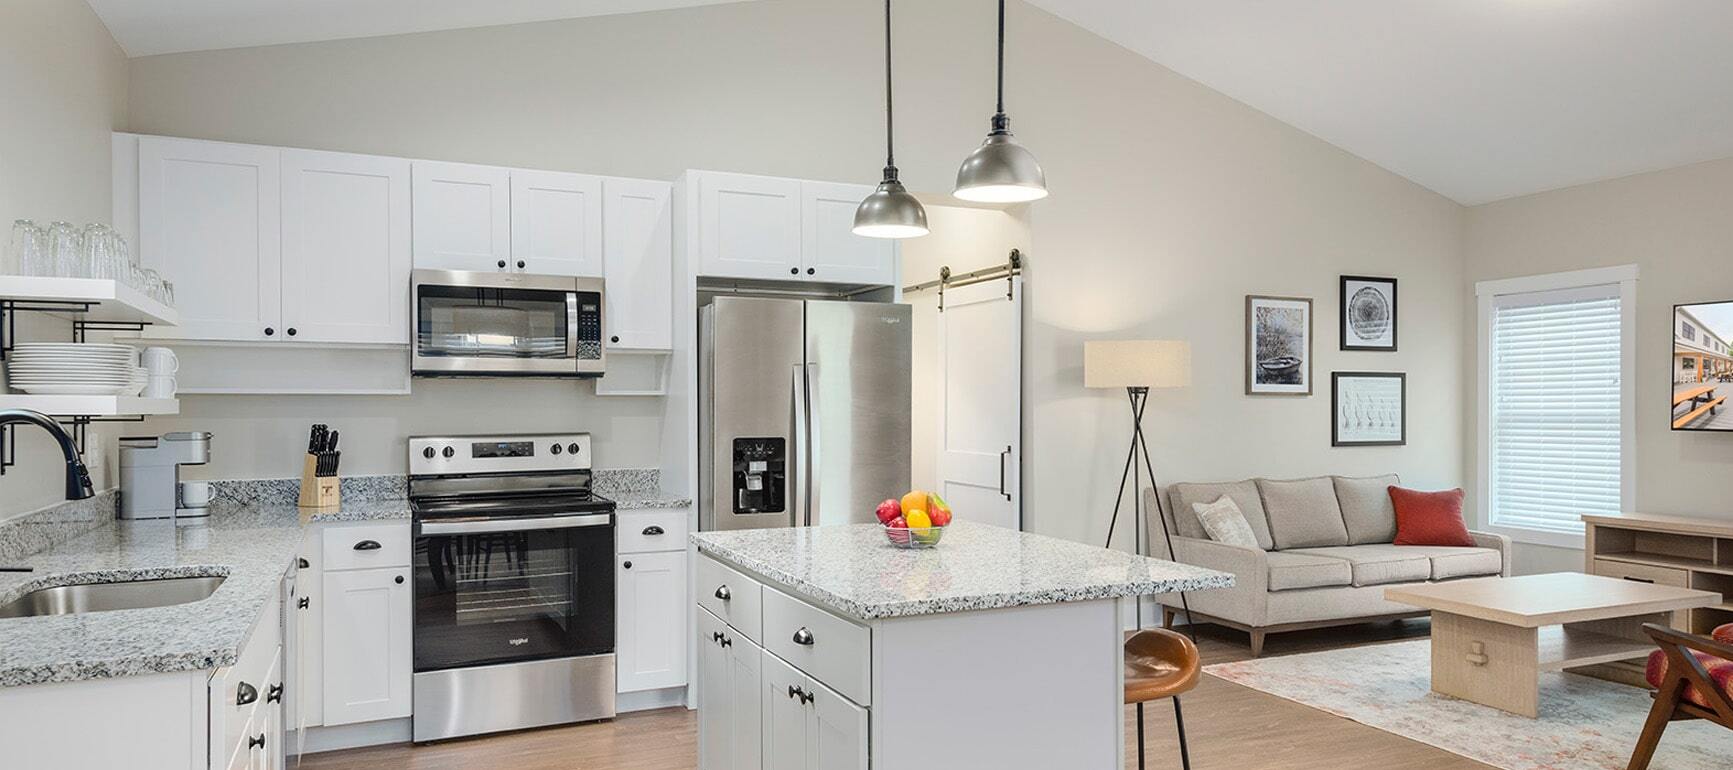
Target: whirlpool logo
519, 642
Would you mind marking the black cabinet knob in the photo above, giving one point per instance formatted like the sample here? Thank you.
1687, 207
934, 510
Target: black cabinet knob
399, 579
628, 565
274, 694
291, 331
520, 264
368, 545
303, 603
614, 339
502, 264
794, 271
269, 331
810, 271
256, 743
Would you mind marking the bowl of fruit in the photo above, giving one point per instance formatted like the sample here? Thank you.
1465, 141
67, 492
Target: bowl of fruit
918, 520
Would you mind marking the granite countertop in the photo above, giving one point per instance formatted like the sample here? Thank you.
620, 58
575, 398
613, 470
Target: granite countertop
643, 499
251, 545
637, 489
855, 571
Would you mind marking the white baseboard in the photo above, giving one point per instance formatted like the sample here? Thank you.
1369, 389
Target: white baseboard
645, 700
339, 737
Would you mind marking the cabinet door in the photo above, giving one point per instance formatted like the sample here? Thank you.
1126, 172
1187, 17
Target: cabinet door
639, 262
462, 216
836, 730
345, 248
366, 645
556, 223
745, 671
716, 715
210, 222
749, 226
785, 716
829, 249
650, 611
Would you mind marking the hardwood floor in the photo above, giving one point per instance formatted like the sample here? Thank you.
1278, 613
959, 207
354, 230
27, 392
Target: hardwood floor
1229, 726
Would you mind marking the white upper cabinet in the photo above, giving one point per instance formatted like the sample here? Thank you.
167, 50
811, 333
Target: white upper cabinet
345, 247
209, 221
785, 229
829, 248
556, 223
639, 264
748, 226
462, 216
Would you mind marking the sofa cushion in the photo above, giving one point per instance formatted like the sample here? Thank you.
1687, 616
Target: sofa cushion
1244, 494
1429, 518
1366, 508
1303, 513
1376, 565
1452, 562
1289, 570
1224, 522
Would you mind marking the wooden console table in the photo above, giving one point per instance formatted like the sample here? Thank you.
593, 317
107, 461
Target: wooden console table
1678, 551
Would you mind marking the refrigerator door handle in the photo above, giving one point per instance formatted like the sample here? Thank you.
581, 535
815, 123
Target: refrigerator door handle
814, 472
797, 458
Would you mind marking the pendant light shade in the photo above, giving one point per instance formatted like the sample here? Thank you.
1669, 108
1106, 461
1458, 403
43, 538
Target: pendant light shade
1001, 170
891, 211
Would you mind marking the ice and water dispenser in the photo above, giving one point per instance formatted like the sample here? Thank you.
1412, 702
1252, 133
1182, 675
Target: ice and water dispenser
760, 475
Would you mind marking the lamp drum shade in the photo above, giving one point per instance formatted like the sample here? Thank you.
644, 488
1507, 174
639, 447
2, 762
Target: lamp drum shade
1136, 364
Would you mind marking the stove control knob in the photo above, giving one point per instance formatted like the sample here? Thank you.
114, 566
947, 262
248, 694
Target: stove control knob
448, 452
573, 448
555, 449
428, 453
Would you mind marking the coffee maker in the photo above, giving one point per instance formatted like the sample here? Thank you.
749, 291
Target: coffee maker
150, 474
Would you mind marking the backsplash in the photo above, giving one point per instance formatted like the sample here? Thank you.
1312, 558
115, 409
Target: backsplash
47, 527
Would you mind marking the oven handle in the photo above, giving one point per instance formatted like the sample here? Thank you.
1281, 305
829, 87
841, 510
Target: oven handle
514, 525
571, 326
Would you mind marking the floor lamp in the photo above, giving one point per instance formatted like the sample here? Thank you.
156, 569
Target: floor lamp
1137, 366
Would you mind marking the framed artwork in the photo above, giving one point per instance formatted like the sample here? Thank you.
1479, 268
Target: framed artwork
1368, 313
1369, 409
1278, 346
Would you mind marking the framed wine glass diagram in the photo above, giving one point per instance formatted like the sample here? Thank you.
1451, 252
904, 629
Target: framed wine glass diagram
1369, 408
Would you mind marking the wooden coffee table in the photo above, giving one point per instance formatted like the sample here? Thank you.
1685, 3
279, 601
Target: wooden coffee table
1492, 637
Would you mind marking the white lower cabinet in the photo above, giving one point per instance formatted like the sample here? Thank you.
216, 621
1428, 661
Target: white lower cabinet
650, 610
808, 726
366, 646
730, 714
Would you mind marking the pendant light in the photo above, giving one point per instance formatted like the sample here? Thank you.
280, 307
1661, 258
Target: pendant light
1001, 170
890, 211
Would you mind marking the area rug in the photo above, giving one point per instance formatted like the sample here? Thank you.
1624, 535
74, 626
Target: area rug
1585, 723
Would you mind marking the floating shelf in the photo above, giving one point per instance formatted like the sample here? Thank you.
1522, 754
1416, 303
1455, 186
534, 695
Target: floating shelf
91, 406
97, 300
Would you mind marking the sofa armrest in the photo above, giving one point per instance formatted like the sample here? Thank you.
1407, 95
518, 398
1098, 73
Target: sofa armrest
1496, 542
1249, 566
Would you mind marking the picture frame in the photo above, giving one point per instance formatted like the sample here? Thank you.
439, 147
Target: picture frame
1368, 313
1278, 346
1368, 409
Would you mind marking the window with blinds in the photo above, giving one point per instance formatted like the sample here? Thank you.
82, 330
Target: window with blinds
1555, 398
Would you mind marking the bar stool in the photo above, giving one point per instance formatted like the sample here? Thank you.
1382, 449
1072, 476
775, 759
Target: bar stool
1160, 664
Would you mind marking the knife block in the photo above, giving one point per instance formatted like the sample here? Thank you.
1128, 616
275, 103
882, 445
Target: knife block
318, 492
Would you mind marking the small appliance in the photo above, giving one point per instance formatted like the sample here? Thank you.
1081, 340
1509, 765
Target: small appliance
506, 325
514, 584
150, 474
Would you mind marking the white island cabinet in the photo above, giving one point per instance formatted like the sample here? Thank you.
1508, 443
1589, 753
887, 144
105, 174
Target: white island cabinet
826, 647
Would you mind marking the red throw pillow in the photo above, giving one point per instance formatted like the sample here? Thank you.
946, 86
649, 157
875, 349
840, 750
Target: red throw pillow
1429, 518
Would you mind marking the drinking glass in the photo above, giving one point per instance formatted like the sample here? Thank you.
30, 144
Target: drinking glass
28, 254
67, 248
98, 253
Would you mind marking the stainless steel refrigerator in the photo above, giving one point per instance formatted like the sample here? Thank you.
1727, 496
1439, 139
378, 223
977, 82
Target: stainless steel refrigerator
803, 411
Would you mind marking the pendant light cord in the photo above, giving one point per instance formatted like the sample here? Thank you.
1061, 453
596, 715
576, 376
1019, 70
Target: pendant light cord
1001, 105
890, 153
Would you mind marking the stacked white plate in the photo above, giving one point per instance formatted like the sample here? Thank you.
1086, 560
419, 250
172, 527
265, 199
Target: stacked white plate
74, 369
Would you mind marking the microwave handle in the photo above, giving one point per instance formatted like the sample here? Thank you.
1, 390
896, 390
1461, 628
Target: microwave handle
571, 325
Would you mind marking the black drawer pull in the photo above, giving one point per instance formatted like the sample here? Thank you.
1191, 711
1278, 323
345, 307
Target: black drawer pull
653, 530
256, 743
274, 694
245, 694
803, 637
1639, 580
368, 545
723, 593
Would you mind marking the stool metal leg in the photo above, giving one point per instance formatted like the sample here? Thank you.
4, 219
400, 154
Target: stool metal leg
1179, 720
1140, 735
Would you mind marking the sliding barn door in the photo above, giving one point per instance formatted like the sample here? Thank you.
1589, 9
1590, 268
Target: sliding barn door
981, 401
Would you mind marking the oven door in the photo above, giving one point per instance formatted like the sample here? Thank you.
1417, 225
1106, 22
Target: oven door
507, 590
469, 323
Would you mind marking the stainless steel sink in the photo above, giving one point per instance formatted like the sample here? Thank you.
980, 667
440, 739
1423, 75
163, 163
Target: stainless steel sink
101, 597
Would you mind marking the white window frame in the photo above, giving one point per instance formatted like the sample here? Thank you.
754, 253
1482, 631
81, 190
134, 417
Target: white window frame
1486, 293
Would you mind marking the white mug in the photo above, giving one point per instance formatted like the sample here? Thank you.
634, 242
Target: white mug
161, 362
160, 387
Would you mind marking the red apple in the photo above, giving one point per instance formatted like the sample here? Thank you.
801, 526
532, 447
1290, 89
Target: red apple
888, 510
897, 522
899, 530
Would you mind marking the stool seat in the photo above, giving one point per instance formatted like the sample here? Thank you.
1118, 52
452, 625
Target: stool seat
1159, 664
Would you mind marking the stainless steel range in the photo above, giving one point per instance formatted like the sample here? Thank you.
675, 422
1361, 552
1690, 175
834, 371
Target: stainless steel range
514, 584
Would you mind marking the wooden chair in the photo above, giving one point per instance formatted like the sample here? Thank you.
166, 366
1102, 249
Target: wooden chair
1686, 686
1160, 664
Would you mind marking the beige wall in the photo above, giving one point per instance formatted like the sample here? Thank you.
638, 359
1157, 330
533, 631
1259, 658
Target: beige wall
1674, 226
62, 90
1170, 201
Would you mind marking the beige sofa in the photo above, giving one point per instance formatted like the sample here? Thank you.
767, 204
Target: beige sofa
1325, 554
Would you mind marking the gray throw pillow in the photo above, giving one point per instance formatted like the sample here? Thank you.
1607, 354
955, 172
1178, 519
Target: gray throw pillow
1225, 523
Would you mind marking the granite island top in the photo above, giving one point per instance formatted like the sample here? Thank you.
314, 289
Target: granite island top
251, 545
854, 570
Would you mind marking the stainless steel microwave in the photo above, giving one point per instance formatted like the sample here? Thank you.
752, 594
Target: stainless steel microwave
506, 325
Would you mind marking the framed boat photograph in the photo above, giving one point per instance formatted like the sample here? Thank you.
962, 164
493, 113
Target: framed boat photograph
1369, 409
1368, 313
1278, 346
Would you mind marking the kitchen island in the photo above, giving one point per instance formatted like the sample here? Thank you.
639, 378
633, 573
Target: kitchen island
827, 647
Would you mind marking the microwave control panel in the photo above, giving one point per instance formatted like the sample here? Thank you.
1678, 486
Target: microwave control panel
589, 309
